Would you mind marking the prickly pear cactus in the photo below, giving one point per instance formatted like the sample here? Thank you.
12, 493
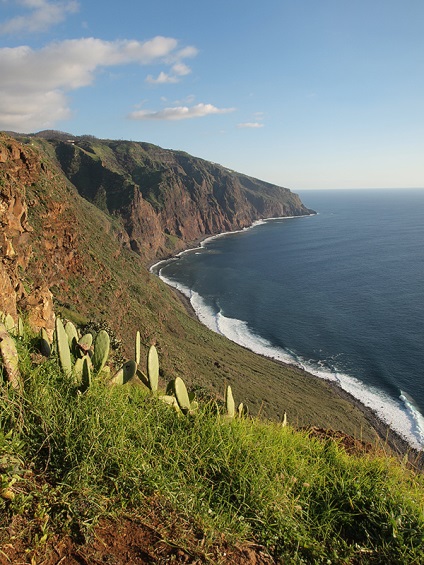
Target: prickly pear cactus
101, 350
71, 332
229, 402
124, 374
137, 347
194, 405
77, 370
21, 331
143, 378
171, 401
44, 343
182, 395
130, 369
63, 348
9, 358
84, 344
153, 368
9, 322
117, 378
86, 373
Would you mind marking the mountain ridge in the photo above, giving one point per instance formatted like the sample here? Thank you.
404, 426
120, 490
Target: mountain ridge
167, 199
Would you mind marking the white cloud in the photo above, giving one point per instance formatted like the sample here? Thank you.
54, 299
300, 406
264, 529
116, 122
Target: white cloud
185, 101
251, 125
187, 52
34, 76
44, 14
181, 69
27, 114
179, 112
178, 70
162, 78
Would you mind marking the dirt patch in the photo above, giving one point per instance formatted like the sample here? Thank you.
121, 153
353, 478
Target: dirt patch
130, 541
351, 445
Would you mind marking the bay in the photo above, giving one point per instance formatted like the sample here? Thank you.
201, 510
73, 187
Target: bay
340, 293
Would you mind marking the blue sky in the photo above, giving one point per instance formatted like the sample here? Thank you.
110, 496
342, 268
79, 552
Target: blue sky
301, 93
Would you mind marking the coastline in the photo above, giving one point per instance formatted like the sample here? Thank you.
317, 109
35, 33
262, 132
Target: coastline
398, 445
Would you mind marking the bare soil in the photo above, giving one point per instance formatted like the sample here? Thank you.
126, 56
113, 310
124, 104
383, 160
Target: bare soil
130, 541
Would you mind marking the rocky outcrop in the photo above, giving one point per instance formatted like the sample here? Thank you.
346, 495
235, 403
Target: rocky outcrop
17, 170
34, 256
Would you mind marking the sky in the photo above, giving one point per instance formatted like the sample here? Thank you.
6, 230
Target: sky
301, 93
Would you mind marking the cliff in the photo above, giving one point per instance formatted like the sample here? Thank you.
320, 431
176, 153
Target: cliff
167, 199
20, 168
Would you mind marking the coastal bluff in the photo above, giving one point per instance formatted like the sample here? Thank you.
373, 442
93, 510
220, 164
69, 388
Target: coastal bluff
82, 217
167, 199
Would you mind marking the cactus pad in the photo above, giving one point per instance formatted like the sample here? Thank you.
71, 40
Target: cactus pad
44, 343
153, 368
78, 369
124, 374
137, 347
182, 395
71, 332
101, 350
84, 344
86, 373
9, 322
63, 348
229, 402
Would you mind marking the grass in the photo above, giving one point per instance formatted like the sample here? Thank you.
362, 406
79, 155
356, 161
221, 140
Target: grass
71, 458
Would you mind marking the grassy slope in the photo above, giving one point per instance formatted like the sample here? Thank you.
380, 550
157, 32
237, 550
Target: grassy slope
114, 285
118, 449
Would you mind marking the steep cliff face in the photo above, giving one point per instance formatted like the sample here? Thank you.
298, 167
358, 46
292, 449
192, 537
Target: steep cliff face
168, 199
19, 168
44, 228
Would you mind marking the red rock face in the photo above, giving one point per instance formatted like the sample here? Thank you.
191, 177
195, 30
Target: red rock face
16, 170
21, 168
169, 199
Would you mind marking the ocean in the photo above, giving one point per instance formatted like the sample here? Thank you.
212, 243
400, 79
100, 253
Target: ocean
340, 293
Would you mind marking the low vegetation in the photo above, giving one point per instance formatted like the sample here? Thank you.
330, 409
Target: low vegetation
72, 454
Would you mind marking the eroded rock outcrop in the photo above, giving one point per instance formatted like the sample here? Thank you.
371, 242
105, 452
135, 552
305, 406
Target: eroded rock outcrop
21, 169
17, 170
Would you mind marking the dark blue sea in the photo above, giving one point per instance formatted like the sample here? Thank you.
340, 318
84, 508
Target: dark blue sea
340, 293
